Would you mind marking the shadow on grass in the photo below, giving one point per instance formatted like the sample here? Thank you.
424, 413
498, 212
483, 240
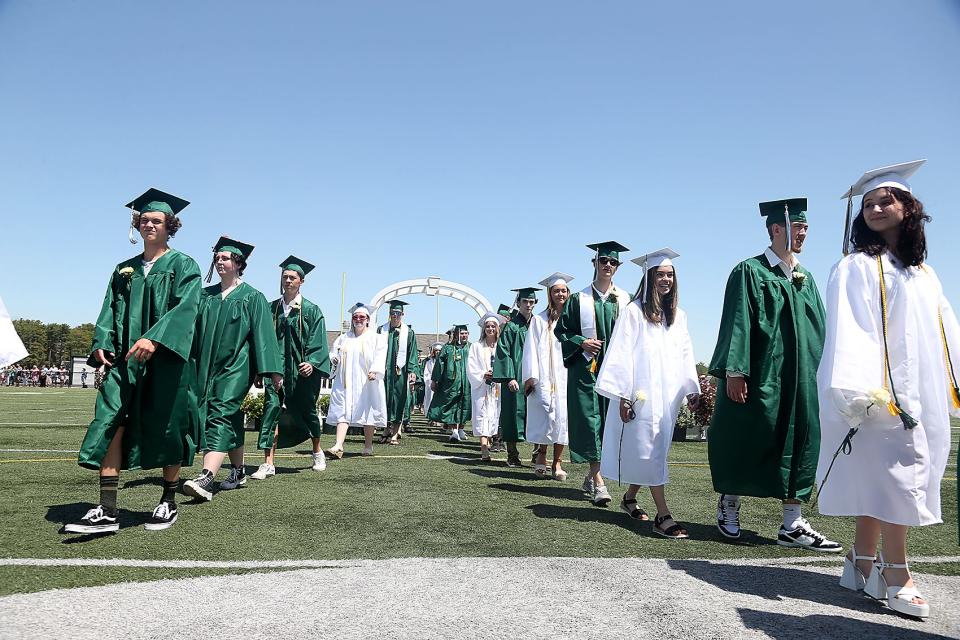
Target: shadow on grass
500, 470
613, 516
62, 514
545, 490
473, 455
782, 626
776, 583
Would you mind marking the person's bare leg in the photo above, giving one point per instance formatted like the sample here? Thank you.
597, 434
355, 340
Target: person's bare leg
595, 474
631, 492
368, 438
213, 460
865, 541
316, 444
659, 499
557, 457
895, 551
541, 454
341, 436
112, 461
268, 454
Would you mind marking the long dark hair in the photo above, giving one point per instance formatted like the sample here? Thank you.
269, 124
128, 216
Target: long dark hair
657, 307
912, 244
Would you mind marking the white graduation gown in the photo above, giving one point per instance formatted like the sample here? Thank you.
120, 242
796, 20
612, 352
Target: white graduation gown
427, 377
485, 416
892, 474
547, 403
354, 398
11, 347
659, 361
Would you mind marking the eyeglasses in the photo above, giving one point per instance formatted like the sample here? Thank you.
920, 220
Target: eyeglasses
396, 313
610, 261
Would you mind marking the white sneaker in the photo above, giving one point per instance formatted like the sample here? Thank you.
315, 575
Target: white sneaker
454, 436
319, 462
236, 479
264, 471
462, 434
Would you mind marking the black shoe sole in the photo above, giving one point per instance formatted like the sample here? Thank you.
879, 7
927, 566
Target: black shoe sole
193, 492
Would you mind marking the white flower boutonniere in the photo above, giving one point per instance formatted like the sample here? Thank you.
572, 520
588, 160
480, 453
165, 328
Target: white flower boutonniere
879, 397
295, 305
127, 272
640, 396
799, 278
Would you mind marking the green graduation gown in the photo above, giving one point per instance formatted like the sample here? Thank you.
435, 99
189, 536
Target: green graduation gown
451, 400
395, 379
302, 337
233, 344
155, 401
586, 409
506, 367
771, 331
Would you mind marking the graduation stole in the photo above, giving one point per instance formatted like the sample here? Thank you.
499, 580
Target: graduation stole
909, 422
588, 315
401, 344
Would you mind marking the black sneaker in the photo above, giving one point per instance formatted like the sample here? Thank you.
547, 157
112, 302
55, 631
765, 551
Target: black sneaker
96, 521
163, 517
200, 487
514, 461
728, 517
806, 537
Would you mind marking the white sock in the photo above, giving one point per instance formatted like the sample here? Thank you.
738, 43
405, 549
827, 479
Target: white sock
791, 516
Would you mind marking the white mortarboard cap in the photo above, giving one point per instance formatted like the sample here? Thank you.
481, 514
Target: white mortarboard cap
490, 315
659, 258
895, 175
436, 345
361, 307
555, 279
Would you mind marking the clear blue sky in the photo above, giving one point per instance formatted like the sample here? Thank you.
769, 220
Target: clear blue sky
480, 142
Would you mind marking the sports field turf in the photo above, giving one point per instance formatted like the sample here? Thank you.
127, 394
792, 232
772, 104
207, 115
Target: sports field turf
425, 498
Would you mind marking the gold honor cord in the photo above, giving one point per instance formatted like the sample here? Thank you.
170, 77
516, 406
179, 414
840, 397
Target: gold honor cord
894, 405
951, 375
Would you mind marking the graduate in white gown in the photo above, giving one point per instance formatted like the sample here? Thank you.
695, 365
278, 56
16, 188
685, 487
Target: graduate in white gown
484, 392
543, 371
648, 371
427, 373
358, 397
899, 398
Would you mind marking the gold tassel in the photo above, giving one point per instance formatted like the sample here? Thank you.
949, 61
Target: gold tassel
893, 409
955, 394
593, 366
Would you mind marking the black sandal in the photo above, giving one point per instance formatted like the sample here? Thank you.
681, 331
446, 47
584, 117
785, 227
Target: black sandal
674, 531
631, 509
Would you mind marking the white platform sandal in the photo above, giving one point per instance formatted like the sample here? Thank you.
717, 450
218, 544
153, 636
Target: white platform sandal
852, 578
900, 599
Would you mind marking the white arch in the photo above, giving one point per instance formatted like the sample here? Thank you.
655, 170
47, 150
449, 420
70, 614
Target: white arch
433, 286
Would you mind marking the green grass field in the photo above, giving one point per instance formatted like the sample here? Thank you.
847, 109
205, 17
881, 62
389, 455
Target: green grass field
400, 503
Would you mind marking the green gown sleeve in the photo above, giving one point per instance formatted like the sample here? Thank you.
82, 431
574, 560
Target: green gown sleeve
174, 329
266, 349
732, 352
568, 330
504, 369
316, 351
413, 354
104, 335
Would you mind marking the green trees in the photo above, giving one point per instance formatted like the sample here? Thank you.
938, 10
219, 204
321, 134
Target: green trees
53, 343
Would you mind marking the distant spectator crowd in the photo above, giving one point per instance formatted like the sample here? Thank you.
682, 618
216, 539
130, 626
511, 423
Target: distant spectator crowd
47, 376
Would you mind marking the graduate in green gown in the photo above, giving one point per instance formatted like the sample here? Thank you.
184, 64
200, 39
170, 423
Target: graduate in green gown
233, 346
402, 364
146, 411
764, 438
290, 415
450, 403
507, 371
583, 329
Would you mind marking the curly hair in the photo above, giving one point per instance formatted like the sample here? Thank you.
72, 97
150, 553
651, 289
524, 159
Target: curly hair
911, 245
173, 223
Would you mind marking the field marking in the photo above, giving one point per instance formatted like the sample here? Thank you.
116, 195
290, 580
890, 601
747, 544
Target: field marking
42, 424
341, 564
39, 451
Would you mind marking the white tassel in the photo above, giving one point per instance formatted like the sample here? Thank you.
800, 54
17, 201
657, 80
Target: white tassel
130, 236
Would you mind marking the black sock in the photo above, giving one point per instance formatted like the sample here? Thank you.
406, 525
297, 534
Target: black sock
240, 468
170, 491
108, 494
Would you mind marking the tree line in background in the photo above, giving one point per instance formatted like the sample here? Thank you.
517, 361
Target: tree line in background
54, 343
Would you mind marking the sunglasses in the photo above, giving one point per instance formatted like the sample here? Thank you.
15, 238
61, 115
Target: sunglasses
610, 261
